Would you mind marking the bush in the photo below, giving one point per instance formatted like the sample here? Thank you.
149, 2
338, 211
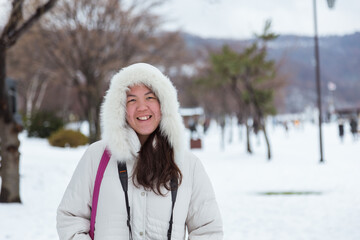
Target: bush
43, 124
67, 138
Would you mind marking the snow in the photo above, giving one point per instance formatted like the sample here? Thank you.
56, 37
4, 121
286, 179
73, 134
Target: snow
191, 111
329, 207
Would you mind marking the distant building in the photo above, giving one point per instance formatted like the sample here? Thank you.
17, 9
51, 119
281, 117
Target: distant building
348, 112
191, 114
192, 117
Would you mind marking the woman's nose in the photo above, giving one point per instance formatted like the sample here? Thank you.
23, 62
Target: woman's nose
141, 106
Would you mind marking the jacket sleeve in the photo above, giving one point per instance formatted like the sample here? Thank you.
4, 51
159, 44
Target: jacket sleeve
204, 219
73, 214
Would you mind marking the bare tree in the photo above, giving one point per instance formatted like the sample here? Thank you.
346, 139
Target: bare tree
87, 40
14, 28
33, 75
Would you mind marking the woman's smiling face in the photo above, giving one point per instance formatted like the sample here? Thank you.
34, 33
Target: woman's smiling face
143, 112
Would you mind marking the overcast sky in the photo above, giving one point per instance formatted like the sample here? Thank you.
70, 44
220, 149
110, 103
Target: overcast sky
243, 18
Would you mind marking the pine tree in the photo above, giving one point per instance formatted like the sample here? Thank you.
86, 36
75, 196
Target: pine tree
248, 77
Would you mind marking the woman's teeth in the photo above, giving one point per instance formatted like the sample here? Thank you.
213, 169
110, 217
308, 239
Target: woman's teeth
144, 118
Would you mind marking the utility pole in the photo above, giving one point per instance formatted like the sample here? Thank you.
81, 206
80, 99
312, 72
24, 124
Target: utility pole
318, 84
331, 4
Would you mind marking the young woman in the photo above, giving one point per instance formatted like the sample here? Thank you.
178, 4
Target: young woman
142, 128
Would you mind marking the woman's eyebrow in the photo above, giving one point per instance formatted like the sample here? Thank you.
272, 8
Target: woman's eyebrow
150, 92
132, 95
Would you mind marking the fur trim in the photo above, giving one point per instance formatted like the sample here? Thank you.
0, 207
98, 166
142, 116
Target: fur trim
120, 138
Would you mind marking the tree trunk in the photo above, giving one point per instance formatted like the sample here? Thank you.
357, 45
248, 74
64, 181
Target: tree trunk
10, 159
230, 140
3, 95
97, 122
93, 104
267, 142
259, 113
9, 141
94, 124
248, 146
240, 132
222, 135
9, 130
222, 143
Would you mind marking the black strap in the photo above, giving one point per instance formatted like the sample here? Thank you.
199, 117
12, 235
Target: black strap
124, 183
174, 187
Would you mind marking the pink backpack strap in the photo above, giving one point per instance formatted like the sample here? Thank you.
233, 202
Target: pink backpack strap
99, 175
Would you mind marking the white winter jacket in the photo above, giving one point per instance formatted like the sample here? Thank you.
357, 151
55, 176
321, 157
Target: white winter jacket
195, 208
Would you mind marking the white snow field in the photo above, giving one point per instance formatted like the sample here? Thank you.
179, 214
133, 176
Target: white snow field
290, 197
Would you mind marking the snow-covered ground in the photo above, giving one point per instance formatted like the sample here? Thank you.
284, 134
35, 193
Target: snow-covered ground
327, 208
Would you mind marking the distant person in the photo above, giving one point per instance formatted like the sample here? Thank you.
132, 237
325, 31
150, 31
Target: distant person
286, 127
296, 123
148, 169
341, 129
354, 127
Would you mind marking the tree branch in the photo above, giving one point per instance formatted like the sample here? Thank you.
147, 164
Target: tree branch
14, 18
13, 36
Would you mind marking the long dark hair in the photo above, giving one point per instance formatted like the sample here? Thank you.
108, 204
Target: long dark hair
156, 165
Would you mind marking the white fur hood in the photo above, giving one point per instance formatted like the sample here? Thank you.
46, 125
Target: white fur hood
120, 138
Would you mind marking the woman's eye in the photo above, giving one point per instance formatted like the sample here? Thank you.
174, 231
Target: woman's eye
151, 97
131, 100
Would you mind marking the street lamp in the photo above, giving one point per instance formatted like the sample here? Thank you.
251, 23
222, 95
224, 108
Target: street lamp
331, 4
